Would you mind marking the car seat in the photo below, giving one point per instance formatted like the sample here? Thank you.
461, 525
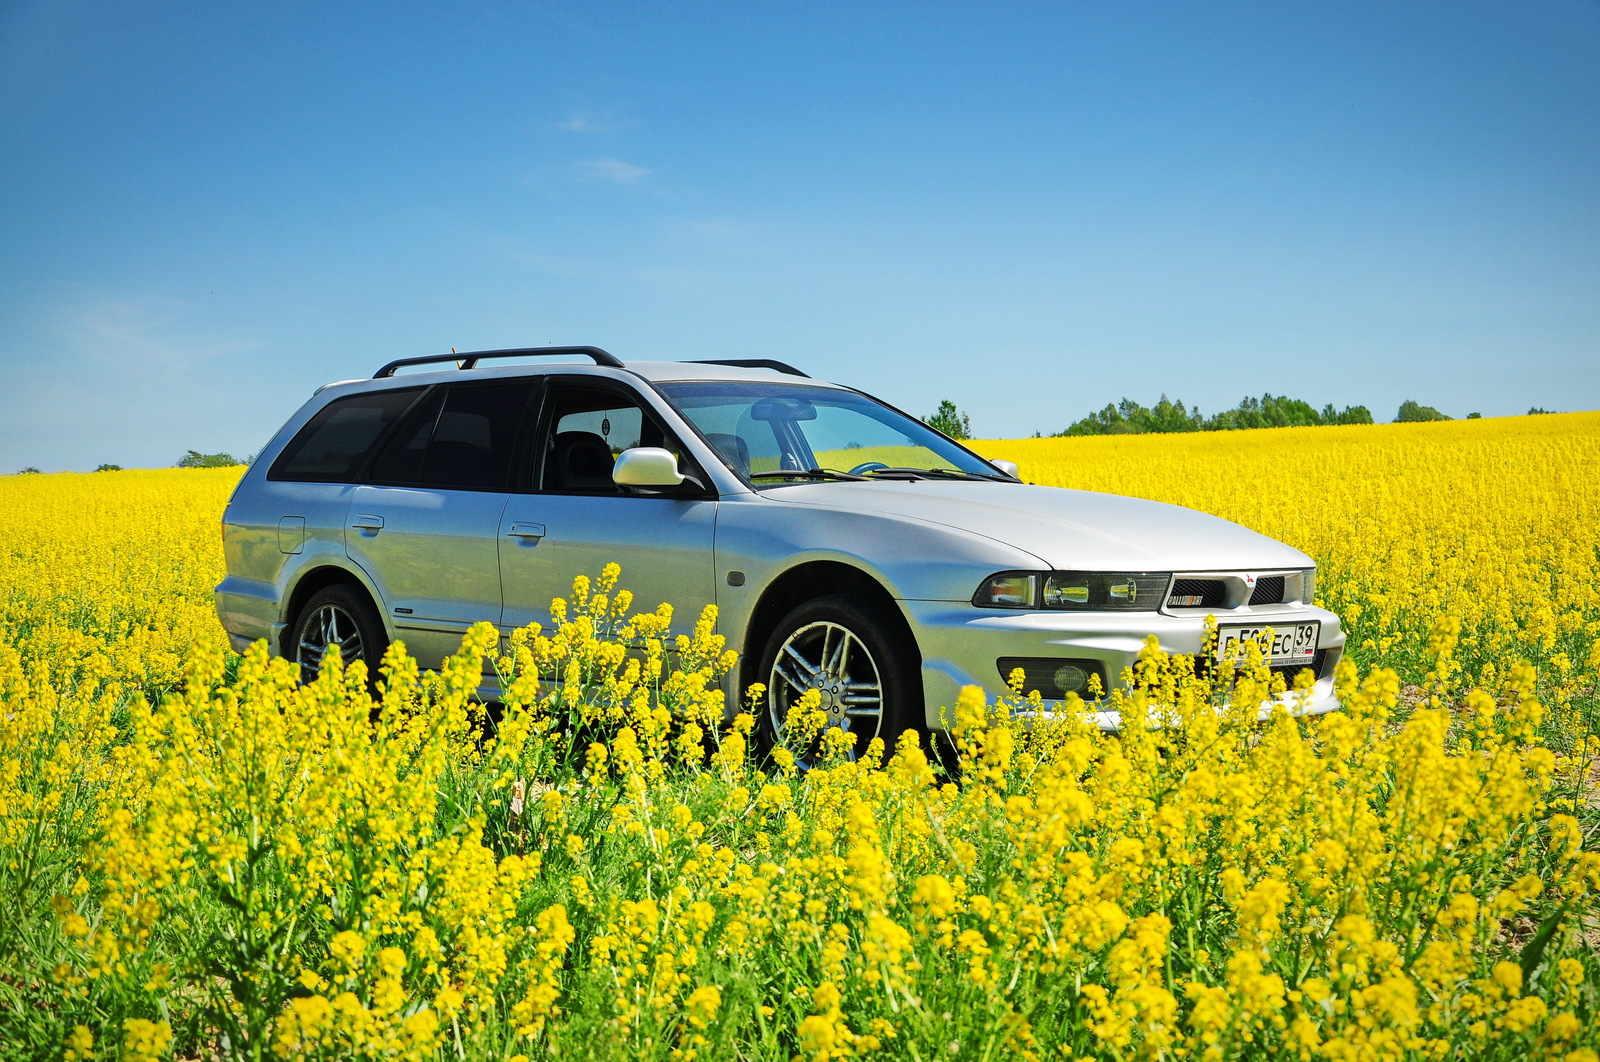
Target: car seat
733, 449
583, 461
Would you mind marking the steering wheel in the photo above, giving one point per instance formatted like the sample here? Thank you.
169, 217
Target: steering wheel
867, 466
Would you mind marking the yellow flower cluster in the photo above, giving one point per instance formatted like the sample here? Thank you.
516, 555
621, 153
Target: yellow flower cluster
214, 859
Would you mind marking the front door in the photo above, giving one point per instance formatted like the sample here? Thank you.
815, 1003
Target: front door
574, 520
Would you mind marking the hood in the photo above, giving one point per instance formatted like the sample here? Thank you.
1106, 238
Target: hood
1075, 530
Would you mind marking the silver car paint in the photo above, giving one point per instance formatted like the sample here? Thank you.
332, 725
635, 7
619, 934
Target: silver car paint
665, 547
434, 558
929, 543
1074, 530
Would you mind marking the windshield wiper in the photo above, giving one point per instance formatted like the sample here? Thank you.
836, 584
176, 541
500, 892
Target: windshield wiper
940, 473
806, 473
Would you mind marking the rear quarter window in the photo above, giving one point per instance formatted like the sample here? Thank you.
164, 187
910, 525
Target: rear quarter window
335, 444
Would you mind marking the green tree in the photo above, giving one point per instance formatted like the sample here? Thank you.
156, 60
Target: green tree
951, 421
1412, 413
1270, 411
196, 459
109, 468
1130, 418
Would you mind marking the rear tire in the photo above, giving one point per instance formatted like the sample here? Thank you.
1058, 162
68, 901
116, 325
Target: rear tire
342, 615
861, 658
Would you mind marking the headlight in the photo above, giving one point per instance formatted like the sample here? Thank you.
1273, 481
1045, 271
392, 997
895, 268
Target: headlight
1308, 586
1009, 590
1081, 591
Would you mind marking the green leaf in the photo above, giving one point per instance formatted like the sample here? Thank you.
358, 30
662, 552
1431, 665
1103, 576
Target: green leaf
1533, 950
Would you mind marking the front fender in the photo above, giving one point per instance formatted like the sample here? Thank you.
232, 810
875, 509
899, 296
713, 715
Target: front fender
911, 559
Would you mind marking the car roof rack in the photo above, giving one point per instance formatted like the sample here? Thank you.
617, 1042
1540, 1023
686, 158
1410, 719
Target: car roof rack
470, 359
755, 363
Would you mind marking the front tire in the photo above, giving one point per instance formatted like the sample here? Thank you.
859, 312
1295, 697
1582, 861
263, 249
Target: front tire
859, 657
340, 615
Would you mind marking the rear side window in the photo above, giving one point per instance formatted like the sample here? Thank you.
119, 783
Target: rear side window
335, 443
461, 438
401, 460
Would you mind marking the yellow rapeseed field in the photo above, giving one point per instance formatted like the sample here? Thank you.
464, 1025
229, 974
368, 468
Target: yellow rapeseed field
199, 857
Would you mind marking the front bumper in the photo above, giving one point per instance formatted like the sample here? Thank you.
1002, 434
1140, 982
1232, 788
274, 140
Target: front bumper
962, 645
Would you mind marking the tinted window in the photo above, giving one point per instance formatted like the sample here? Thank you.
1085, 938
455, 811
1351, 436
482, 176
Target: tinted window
590, 426
334, 444
462, 438
401, 460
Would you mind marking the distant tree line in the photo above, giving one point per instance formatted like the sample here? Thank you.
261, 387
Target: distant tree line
1269, 411
191, 459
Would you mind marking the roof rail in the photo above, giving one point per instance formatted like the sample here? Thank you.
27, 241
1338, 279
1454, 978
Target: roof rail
470, 359
755, 363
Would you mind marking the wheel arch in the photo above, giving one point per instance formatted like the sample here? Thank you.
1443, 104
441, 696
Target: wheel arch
803, 582
311, 580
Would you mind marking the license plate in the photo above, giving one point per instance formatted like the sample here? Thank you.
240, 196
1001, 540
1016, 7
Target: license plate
1291, 644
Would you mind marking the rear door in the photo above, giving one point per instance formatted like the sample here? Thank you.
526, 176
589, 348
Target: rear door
570, 519
425, 526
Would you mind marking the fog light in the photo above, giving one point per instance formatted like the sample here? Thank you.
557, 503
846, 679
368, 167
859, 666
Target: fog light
1054, 677
1070, 678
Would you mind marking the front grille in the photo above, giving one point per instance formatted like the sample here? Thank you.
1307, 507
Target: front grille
1268, 591
1200, 593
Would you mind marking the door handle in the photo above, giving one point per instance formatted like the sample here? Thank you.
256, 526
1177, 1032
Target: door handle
526, 531
368, 523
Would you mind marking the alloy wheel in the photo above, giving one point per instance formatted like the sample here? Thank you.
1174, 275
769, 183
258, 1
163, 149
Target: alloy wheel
829, 658
329, 624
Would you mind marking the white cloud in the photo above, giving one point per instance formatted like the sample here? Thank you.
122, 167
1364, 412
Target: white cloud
614, 170
145, 330
585, 123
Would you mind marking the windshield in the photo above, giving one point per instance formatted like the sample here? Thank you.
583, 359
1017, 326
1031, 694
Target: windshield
763, 430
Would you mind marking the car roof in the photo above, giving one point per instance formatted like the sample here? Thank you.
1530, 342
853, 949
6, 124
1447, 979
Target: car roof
651, 371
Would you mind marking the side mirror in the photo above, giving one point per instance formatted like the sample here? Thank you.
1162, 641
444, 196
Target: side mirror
646, 466
1008, 467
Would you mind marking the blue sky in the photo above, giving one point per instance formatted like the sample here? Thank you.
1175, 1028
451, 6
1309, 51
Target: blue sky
206, 211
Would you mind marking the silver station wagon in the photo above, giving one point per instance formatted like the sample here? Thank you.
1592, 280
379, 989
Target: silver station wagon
848, 547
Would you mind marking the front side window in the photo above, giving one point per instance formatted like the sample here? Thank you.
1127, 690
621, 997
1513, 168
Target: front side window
336, 442
764, 429
462, 437
588, 428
